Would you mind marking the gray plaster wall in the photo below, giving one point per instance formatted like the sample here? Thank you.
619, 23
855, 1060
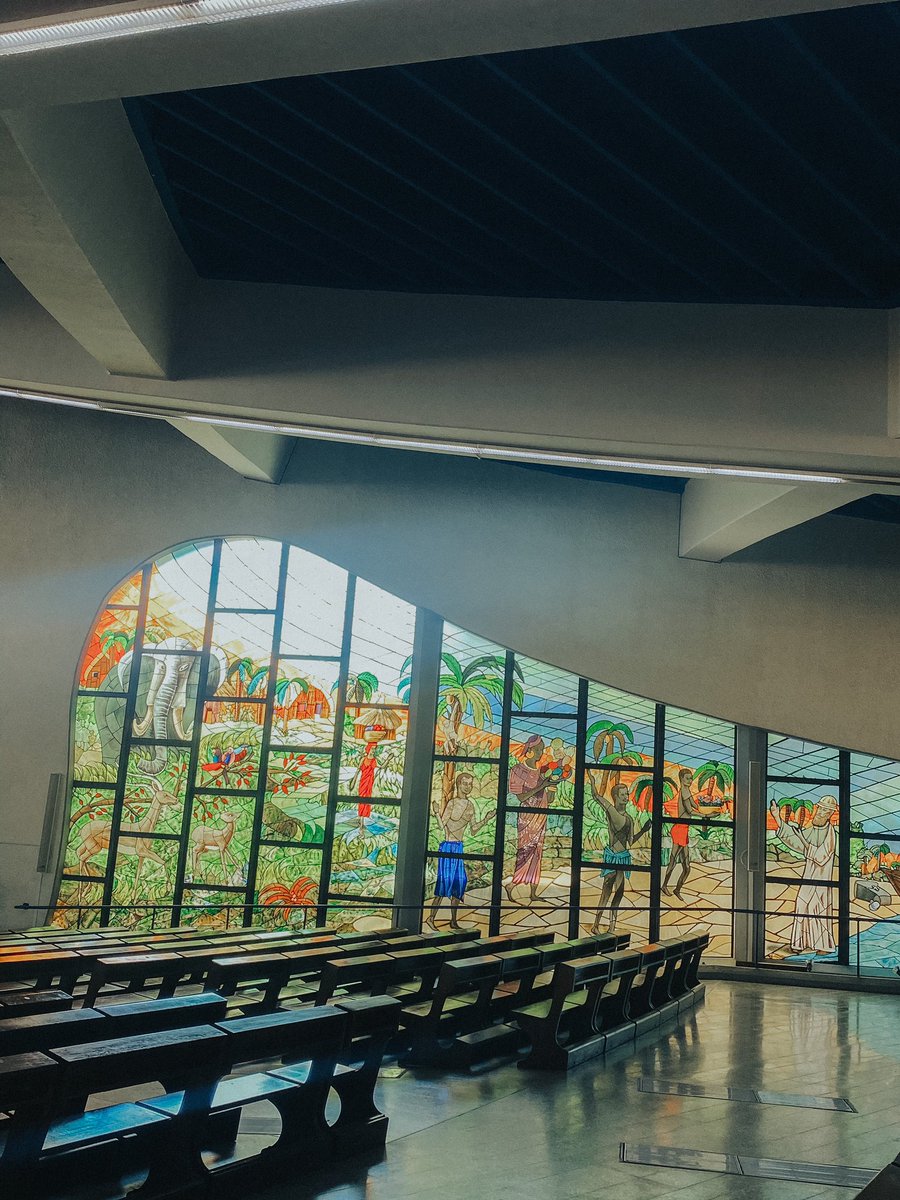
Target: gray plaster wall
799, 635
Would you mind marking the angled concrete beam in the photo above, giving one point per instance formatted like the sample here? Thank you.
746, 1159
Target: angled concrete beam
196, 50
893, 373
719, 517
260, 456
83, 228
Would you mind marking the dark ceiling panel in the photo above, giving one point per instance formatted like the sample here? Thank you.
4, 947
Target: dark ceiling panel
755, 163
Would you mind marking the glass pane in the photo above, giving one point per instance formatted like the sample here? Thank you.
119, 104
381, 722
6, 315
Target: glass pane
90, 821
542, 762
605, 908
287, 886
315, 596
244, 642
78, 904
304, 703
229, 752
112, 638
802, 831
619, 724
714, 920
350, 917
373, 752
179, 595
145, 870
128, 592
794, 756
705, 747
875, 904
631, 824
464, 806
383, 629
364, 853
537, 859
248, 573
471, 882
97, 747
166, 699
219, 840
545, 688
470, 695
800, 921
296, 796
698, 880
209, 909
874, 794
156, 802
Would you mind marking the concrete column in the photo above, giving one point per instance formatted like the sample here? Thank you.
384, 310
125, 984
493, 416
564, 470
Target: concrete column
414, 803
749, 842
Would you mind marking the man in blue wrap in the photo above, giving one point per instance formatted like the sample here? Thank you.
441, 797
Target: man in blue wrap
455, 815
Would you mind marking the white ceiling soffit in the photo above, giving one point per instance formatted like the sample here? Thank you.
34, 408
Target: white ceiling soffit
139, 50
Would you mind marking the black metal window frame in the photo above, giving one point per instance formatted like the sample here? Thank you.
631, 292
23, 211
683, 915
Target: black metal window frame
268, 745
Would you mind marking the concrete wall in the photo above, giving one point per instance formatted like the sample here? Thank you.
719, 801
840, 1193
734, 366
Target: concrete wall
753, 384
798, 635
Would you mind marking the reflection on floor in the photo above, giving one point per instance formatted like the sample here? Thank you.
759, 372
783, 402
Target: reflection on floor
539, 1137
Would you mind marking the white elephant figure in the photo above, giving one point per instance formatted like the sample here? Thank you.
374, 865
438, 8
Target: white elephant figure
166, 698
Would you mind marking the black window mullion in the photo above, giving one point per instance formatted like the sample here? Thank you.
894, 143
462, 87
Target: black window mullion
340, 706
502, 792
196, 733
843, 854
124, 749
578, 810
266, 738
656, 819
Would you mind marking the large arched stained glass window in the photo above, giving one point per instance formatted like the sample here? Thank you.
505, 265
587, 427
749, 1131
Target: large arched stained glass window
239, 736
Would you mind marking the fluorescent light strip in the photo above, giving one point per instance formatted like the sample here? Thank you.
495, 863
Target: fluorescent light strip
146, 20
436, 446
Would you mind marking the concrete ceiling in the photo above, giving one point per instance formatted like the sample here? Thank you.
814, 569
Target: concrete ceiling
103, 299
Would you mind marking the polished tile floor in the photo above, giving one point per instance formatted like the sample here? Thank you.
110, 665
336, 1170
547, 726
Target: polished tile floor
541, 1137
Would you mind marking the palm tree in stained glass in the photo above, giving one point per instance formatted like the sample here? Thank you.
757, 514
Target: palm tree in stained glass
715, 776
110, 639
362, 687
468, 691
610, 740
242, 671
287, 689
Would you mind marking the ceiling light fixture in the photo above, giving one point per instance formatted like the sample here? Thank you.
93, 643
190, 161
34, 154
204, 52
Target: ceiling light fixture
143, 20
513, 454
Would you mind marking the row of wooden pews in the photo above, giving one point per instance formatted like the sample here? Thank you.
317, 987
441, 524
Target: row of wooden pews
208, 1071
249, 1015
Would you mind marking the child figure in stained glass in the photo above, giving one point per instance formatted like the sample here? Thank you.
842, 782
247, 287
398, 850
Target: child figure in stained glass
681, 832
617, 856
455, 816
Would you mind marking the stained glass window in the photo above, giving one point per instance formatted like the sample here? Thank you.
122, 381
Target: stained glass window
239, 738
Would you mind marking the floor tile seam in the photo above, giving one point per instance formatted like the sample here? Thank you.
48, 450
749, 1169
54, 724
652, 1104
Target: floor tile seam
456, 1116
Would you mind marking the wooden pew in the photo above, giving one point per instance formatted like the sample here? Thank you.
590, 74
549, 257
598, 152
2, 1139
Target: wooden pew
372, 1025
47, 1139
562, 1030
460, 1005
21, 1035
137, 972
582, 947
290, 975
22, 1003
314, 1037
612, 1018
641, 1008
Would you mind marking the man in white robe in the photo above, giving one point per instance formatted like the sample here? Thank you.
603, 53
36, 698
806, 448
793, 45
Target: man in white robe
811, 928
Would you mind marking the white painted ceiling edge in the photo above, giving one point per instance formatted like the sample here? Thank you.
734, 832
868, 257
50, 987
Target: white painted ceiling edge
206, 44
